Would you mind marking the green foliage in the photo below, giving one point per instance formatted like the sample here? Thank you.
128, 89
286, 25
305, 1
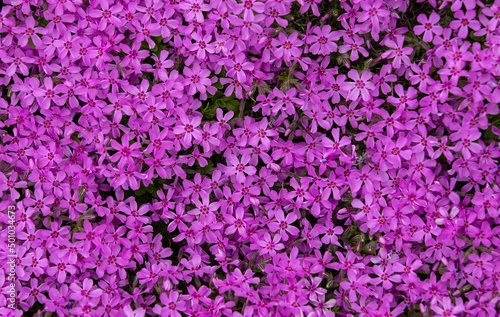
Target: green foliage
489, 134
219, 100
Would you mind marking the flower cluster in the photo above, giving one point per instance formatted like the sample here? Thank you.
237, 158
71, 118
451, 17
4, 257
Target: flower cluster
251, 158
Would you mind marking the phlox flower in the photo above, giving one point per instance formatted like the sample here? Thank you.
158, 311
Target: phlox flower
239, 167
283, 224
239, 66
444, 306
323, 42
274, 13
399, 53
353, 45
268, 245
237, 222
61, 268
287, 47
125, 152
234, 86
57, 300
374, 10
306, 4
361, 85
464, 22
428, 26
174, 304
188, 128
197, 81
357, 284
133, 56
86, 291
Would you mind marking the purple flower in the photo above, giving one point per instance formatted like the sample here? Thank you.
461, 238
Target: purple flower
428, 26
357, 284
173, 304
446, 308
85, 292
323, 42
187, 128
399, 52
373, 10
126, 152
464, 22
61, 268
361, 85
287, 47
197, 81
239, 167
269, 245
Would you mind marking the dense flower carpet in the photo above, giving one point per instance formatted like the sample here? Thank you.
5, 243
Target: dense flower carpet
249, 158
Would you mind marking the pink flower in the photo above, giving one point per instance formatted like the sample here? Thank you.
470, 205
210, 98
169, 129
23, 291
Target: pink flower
239, 168
197, 80
126, 152
269, 245
464, 22
324, 41
194, 10
400, 53
173, 305
361, 85
429, 26
287, 47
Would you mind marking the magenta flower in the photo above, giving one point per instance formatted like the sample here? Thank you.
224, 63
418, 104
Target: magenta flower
194, 10
173, 305
287, 47
406, 99
188, 129
375, 11
428, 26
58, 300
386, 277
357, 284
239, 168
399, 52
238, 67
355, 46
161, 64
10, 184
27, 30
286, 101
133, 56
284, 224
306, 4
464, 22
202, 45
84, 292
197, 81
361, 85
236, 222
444, 306
126, 152
323, 42
93, 235
61, 268
19, 62
269, 245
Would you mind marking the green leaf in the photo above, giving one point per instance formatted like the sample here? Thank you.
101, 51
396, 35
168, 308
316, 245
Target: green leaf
205, 169
233, 105
30, 41
157, 39
220, 103
74, 136
218, 85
